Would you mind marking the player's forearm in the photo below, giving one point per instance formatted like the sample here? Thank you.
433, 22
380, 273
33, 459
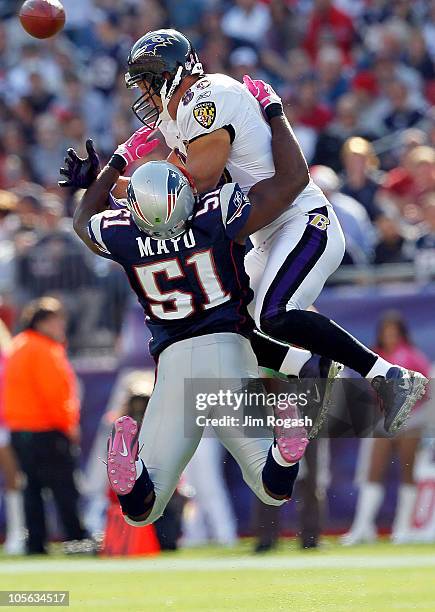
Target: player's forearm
119, 190
272, 196
291, 169
94, 201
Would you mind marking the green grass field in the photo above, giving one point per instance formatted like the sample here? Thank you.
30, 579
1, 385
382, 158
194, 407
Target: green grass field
372, 578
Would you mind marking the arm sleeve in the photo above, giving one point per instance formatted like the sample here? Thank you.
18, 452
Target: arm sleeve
208, 113
235, 209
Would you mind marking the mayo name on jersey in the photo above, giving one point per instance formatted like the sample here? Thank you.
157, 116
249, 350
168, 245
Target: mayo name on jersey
192, 285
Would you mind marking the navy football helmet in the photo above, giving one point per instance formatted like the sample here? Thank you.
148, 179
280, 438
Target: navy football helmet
159, 60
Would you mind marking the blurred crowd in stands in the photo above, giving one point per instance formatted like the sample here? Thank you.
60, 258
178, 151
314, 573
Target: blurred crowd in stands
358, 78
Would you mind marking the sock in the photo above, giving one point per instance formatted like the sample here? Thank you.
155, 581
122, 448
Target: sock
14, 514
278, 356
322, 336
294, 361
369, 501
278, 479
405, 506
380, 368
133, 503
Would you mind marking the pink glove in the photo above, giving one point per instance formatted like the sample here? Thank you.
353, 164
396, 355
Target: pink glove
137, 146
262, 92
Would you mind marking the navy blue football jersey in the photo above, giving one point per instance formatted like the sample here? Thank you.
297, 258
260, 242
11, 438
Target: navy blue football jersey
192, 285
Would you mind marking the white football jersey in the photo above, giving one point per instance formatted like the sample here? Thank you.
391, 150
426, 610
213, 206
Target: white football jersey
217, 101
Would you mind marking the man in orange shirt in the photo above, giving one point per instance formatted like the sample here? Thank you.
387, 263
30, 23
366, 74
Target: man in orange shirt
41, 409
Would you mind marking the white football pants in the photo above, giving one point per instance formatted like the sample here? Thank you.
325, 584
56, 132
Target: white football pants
289, 267
166, 449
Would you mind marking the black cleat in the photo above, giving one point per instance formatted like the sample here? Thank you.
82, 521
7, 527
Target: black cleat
398, 392
320, 373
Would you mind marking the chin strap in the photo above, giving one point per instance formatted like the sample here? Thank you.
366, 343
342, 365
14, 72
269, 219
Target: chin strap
166, 96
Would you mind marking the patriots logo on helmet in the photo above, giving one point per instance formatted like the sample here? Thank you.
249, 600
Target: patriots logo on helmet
175, 184
149, 47
239, 202
134, 206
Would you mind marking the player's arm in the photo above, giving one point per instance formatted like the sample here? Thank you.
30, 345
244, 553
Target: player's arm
271, 197
94, 201
207, 157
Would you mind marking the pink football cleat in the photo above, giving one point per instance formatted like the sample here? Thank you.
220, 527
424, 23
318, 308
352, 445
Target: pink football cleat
291, 441
122, 454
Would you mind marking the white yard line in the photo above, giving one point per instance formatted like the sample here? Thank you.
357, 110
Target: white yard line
165, 564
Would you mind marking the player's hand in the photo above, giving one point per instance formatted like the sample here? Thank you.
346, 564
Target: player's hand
137, 146
80, 173
262, 92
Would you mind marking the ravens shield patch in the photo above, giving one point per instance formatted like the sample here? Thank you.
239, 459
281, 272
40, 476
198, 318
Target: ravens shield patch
205, 113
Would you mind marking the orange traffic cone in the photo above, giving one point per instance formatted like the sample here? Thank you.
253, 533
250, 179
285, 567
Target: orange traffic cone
124, 540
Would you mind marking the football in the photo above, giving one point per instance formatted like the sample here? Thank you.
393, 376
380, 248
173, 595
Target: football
42, 18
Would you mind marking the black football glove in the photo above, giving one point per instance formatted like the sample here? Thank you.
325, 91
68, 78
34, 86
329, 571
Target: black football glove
80, 173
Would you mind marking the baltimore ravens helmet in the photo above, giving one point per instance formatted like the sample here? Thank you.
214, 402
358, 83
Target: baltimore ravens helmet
160, 199
159, 61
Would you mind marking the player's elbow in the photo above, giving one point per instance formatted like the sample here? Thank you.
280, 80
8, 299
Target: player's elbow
295, 182
77, 223
80, 225
302, 175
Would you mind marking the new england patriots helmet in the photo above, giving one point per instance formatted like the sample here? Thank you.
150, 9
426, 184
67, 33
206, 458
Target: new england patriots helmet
160, 200
159, 60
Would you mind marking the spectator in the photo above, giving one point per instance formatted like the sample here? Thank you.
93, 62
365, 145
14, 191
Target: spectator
393, 343
283, 34
403, 113
56, 263
212, 517
429, 28
48, 153
309, 111
392, 246
360, 180
310, 498
8, 206
372, 105
38, 98
329, 25
405, 186
333, 80
345, 125
353, 218
42, 411
424, 257
244, 60
417, 56
246, 22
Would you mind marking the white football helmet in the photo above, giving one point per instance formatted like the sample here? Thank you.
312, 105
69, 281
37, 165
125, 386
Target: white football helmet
160, 199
